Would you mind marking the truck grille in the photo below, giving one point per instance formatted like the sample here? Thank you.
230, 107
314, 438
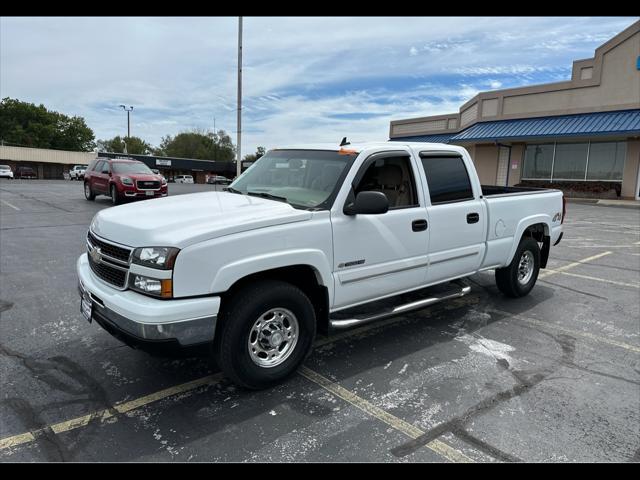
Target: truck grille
108, 249
114, 276
112, 266
148, 184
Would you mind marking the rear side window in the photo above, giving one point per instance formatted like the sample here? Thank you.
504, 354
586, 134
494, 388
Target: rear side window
447, 178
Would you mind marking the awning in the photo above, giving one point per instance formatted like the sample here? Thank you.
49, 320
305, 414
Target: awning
440, 138
583, 124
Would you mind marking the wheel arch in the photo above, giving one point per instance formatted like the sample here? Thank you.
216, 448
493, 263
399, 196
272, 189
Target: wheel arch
537, 227
304, 276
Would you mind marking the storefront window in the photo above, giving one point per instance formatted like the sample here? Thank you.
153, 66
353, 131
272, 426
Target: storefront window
571, 161
537, 162
606, 160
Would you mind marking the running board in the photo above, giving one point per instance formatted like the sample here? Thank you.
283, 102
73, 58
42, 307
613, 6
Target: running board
358, 320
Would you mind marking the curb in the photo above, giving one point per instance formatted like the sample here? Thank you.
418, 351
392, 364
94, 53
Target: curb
605, 203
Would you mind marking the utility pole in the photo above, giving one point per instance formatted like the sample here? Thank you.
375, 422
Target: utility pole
128, 122
238, 159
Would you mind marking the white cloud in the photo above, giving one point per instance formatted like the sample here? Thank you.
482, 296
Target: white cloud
298, 72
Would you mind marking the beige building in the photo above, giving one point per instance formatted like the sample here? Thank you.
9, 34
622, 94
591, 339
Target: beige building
581, 135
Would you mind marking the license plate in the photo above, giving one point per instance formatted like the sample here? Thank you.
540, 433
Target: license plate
149, 193
86, 306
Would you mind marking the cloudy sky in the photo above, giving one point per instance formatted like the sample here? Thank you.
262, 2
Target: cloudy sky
305, 79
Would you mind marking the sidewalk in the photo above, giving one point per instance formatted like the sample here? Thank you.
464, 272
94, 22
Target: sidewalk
606, 202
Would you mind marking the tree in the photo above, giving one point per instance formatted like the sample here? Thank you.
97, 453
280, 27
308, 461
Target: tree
252, 157
134, 145
198, 144
25, 124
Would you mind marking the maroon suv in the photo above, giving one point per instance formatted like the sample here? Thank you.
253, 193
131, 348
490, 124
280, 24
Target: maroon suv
122, 179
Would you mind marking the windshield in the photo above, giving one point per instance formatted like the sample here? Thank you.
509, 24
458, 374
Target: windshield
302, 178
131, 168
4, 167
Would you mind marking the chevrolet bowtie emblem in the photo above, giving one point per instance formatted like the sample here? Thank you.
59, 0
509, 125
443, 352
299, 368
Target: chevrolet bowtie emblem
96, 254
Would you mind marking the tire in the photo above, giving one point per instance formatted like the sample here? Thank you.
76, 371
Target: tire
88, 192
115, 198
518, 278
275, 303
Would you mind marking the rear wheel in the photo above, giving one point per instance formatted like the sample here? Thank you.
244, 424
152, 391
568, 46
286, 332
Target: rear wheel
267, 331
88, 193
519, 277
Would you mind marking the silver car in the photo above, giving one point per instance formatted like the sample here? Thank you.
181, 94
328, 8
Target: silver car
6, 172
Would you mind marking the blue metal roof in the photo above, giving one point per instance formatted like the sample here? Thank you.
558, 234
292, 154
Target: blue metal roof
440, 138
584, 124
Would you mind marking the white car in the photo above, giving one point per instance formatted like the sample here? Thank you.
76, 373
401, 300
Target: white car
6, 172
77, 172
309, 239
184, 179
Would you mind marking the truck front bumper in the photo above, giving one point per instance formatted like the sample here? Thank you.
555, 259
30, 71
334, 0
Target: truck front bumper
141, 321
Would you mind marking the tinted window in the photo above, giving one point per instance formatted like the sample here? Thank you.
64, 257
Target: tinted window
447, 178
132, 167
393, 177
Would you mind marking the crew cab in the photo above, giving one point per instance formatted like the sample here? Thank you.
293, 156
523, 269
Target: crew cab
77, 172
309, 239
122, 179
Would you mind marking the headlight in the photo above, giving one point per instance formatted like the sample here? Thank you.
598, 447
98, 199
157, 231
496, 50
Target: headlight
164, 181
162, 258
152, 286
126, 181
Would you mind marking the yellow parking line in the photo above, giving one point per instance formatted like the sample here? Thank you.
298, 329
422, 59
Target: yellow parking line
396, 423
548, 272
102, 415
590, 336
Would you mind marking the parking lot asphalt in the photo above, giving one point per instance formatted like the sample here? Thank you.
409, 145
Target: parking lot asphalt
554, 376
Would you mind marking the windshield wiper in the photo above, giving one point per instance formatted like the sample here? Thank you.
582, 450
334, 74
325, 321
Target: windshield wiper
232, 190
267, 195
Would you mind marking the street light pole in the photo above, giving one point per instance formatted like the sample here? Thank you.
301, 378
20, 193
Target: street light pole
128, 121
238, 159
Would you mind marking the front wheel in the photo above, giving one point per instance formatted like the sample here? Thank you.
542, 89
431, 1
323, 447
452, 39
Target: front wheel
115, 198
267, 331
519, 277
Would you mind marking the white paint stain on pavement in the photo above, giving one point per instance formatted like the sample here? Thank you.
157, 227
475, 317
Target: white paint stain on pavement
490, 348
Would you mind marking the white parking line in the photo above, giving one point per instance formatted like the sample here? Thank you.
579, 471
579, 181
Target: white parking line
9, 205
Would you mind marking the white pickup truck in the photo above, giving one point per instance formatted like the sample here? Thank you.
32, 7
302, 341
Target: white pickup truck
309, 239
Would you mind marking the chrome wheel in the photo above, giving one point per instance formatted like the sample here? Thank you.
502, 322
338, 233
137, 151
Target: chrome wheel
273, 337
526, 266
114, 195
87, 190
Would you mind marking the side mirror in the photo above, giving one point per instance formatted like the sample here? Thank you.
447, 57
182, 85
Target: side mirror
368, 203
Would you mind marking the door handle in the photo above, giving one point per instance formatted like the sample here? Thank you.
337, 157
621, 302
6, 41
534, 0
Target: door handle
419, 225
473, 217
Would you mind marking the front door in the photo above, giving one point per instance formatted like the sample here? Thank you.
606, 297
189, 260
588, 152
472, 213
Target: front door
382, 254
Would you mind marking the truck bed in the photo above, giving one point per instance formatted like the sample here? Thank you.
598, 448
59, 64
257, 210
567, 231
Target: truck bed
495, 190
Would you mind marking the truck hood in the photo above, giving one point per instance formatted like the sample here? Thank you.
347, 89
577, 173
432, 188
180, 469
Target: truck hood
183, 220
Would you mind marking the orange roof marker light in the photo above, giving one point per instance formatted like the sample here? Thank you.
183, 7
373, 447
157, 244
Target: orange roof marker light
346, 151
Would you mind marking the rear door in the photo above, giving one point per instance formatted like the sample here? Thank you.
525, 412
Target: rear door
382, 254
457, 216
